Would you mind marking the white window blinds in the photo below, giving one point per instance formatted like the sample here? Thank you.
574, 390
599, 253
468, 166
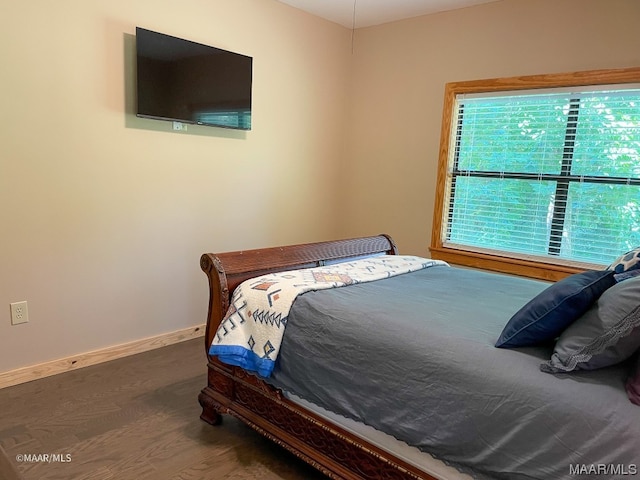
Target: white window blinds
553, 175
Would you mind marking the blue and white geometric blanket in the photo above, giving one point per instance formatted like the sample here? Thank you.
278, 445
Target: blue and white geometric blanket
250, 334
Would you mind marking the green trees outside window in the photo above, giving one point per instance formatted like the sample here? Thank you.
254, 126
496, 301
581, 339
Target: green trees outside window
548, 174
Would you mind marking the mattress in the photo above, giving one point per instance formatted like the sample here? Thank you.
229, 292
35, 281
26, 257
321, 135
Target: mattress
413, 356
411, 455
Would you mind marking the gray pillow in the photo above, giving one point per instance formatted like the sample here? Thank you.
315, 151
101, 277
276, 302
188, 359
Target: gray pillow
608, 333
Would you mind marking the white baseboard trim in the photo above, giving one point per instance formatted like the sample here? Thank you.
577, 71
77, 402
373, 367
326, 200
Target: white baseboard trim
54, 367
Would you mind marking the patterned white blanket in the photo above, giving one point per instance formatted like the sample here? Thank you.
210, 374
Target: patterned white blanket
249, 336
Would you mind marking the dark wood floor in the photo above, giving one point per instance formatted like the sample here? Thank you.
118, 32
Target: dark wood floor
132, 418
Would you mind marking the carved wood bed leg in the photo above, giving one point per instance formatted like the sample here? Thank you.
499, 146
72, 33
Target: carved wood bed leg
211, 410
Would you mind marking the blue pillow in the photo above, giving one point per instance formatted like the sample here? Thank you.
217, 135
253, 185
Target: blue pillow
546, 316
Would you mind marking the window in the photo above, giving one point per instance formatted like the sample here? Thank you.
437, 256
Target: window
536, 180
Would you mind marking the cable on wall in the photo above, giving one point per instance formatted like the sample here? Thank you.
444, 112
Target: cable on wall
353, 25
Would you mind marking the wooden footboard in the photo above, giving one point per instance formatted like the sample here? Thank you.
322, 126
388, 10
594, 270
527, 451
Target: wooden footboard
231, 390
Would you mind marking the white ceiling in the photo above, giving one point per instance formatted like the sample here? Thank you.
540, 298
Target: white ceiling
375, 12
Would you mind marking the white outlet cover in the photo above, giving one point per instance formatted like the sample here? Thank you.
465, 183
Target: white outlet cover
19, 313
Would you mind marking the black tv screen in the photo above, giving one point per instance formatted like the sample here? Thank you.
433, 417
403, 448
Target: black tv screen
189, 82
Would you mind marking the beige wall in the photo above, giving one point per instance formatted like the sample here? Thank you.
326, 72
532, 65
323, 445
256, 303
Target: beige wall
104, 215
400, 70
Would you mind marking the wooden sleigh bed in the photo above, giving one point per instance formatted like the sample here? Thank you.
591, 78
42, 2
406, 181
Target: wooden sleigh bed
331, 449
336, 451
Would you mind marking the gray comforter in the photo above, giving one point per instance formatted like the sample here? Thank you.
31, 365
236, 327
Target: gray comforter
414, 356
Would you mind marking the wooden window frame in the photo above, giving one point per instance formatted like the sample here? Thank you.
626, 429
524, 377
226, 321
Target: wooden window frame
485, 260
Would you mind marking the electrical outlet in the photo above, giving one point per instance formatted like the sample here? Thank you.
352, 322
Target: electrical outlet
179, 126
19, 313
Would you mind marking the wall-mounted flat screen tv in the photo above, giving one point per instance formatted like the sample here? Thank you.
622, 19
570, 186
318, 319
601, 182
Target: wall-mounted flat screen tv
185, 81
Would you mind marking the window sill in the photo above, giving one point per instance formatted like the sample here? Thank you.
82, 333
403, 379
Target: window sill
514, 266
